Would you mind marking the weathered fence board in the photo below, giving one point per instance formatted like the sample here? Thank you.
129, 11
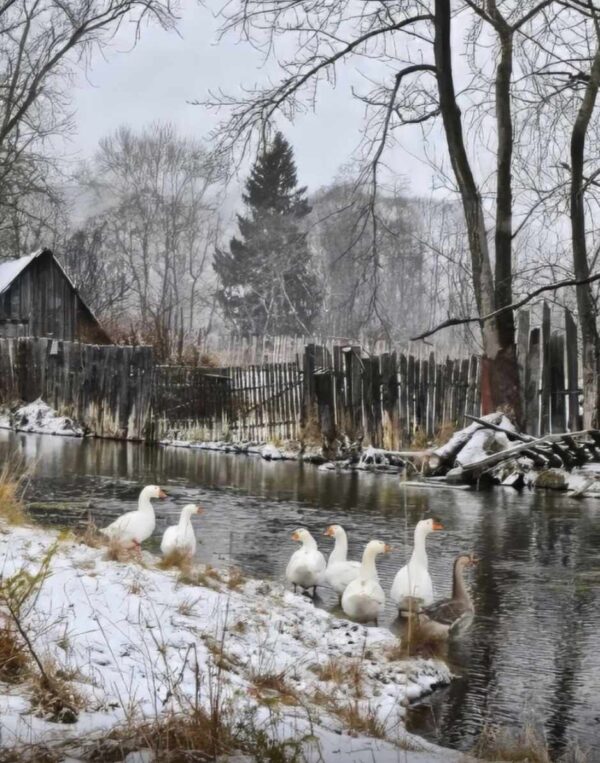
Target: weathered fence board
107, 389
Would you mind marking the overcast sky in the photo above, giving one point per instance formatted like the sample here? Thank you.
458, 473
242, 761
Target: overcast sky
156, 80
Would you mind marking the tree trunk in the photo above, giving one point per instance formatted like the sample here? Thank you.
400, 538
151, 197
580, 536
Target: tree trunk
585, 301
500, 369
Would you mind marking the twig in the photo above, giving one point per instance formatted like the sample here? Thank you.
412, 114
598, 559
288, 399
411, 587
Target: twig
506, 308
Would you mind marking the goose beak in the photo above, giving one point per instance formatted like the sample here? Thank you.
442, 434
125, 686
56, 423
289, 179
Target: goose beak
199, 510
329, 532
474, 560
295, 536
437, 525
387, 548
161, 493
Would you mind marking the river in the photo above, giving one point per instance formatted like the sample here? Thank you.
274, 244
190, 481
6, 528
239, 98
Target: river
533, 652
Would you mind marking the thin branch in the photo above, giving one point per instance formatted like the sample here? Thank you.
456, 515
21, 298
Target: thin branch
513, 306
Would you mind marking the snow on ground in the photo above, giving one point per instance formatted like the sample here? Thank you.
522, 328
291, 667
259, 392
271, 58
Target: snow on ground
132, 634
290, 451
39, 417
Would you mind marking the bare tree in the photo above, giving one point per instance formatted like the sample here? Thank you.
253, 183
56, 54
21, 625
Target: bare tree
160, 194
41, 44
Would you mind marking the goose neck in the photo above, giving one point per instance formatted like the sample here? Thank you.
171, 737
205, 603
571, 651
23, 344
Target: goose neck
144, 504
459, 587
419, 553
340, 549
184, 519
368, 570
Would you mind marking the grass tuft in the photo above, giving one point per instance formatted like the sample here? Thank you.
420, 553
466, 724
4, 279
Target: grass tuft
53, 696
14, 657
348, 673
235, 579
12, 478
176, 559
419, 640
90, 536
525, 746
117, 552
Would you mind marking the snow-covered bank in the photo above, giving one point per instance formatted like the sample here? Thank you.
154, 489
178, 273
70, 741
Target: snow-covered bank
138, 642
289, 451
38, 417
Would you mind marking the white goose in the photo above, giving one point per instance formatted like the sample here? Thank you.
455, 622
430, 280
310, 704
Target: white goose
364, 598
306, 566
181, 537
340, 572
412, 587
134, 527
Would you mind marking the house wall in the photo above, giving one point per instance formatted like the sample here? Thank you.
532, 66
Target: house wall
42, 302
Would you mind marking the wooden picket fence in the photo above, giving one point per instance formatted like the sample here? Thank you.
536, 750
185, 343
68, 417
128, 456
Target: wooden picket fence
389, 400
383, 400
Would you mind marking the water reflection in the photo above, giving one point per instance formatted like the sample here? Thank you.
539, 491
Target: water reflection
533, 651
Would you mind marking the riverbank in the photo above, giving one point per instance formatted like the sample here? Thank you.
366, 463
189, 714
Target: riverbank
131, 644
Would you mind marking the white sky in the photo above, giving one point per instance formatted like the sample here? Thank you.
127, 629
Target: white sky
156, 80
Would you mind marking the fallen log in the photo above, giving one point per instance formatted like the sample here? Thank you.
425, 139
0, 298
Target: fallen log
478, 467
447, 453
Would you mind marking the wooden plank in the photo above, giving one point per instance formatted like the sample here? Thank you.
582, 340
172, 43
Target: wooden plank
532, 381
523, 328
431, 422
557, 382
546, 381
574, 418
403, 417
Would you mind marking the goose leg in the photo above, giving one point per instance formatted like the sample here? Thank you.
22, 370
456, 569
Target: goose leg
295, 586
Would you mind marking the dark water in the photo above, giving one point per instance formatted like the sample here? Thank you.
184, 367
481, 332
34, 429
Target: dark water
533, 653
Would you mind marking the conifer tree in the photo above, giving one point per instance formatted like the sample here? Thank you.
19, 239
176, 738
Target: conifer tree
267, 284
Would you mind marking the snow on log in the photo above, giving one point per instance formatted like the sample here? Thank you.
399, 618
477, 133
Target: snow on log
459, 439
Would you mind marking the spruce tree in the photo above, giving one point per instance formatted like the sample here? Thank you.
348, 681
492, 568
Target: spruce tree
267, 284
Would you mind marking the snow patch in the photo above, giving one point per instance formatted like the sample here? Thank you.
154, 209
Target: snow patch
40, 418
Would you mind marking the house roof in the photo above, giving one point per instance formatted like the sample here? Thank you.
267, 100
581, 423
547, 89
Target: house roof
11, 269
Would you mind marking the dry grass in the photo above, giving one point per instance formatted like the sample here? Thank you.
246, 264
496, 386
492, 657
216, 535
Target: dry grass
348, 673
31, 754
310, 433
525, 746
14, 657
418, 640
235, 578
221, 659
12, 479
198, 735
358, 719
275, 684
185, 608
117, 552
419, 440
194, 576
176, 559
90, 536
53, 696
444, 433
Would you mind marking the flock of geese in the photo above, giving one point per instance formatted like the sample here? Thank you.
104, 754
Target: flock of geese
356, 583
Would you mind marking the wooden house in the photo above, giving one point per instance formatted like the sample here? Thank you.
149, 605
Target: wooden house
37, 298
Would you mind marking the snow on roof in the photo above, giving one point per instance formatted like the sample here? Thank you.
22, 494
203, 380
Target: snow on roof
11, 269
